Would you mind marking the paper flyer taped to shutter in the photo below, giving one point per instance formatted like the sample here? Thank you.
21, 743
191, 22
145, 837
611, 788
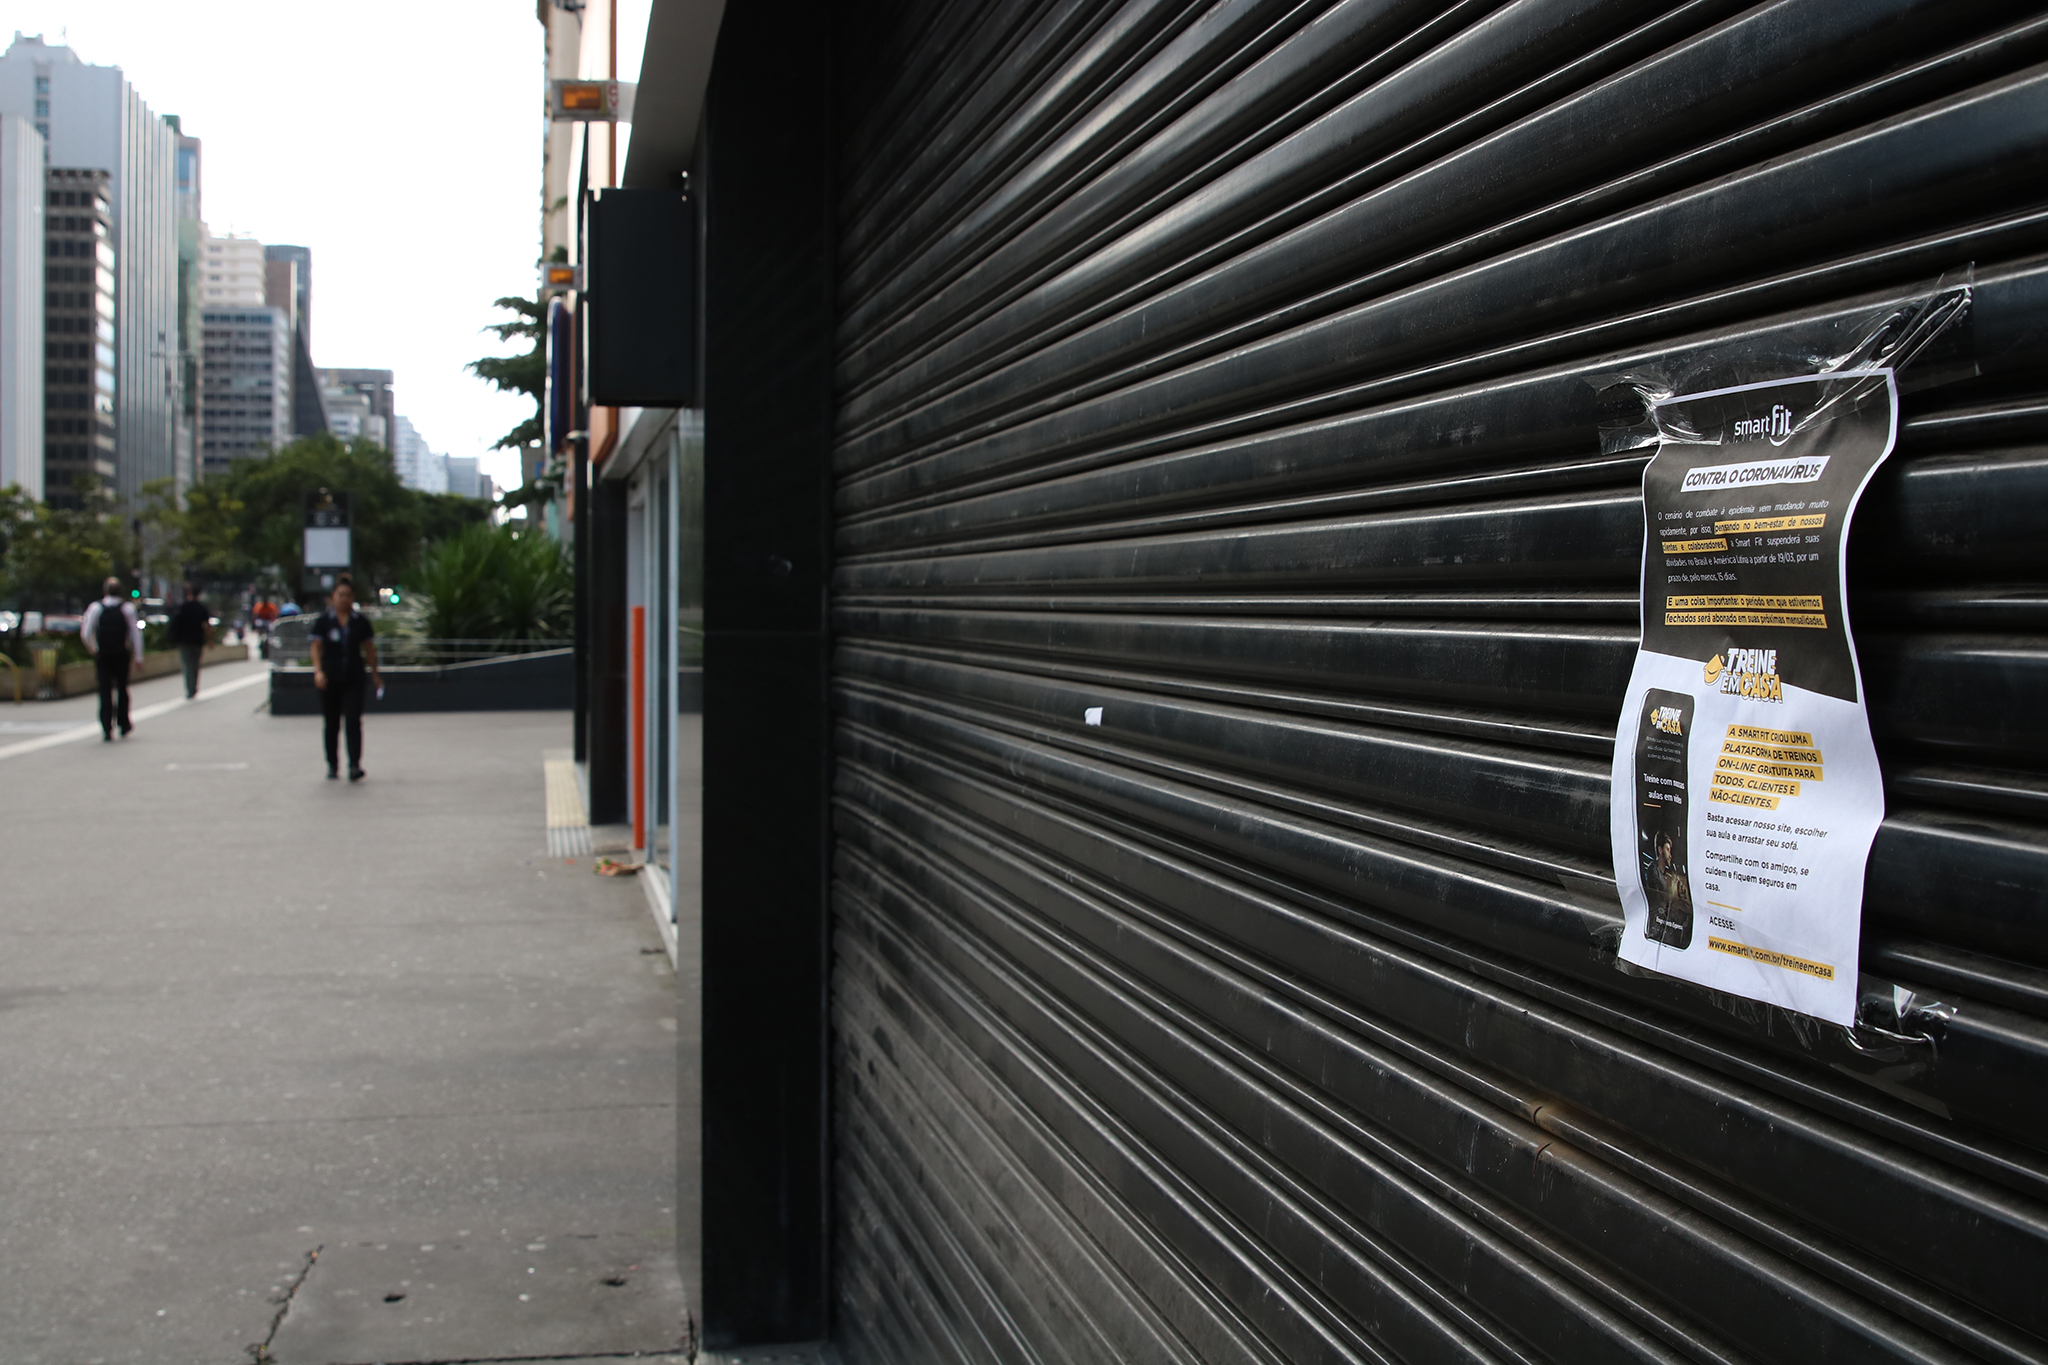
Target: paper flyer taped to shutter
1745, 787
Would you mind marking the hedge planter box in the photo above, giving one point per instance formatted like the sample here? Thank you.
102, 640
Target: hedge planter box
522, 682
79, 679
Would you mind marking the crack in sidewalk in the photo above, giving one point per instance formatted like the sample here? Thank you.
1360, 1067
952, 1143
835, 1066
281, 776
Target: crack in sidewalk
259, 1351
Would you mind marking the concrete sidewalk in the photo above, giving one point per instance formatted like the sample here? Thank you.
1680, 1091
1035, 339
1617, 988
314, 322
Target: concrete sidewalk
302, 1071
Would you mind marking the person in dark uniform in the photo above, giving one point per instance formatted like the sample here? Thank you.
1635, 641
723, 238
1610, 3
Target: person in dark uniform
344, 669
191, 624
112, 633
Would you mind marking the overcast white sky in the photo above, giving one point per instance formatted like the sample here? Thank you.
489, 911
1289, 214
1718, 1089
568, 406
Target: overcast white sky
401, 144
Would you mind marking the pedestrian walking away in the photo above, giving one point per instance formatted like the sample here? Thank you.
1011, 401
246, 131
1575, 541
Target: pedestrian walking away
112, 633
263, 616
344, 669
191, 629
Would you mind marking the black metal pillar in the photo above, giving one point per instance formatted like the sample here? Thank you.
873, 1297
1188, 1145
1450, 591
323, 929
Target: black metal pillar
607, 756
576, 506
767, 389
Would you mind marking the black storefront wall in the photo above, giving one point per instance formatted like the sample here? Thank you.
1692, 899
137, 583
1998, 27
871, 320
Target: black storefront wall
1224, 367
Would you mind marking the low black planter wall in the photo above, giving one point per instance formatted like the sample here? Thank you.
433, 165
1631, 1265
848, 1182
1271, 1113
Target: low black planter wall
525, 682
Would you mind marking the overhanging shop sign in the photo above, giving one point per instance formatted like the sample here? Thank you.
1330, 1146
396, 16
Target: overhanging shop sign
1745, 787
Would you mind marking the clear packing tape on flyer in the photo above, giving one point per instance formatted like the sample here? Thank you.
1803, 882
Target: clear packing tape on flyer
1745, 789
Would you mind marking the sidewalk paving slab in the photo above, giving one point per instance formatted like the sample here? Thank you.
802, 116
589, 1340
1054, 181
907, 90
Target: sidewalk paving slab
246, 1013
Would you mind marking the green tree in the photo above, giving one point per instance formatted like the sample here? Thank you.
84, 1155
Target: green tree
446, 514
203, 538
160, 520
236, 524
254, 514
16, 509
524, 373
58, 557
211, 533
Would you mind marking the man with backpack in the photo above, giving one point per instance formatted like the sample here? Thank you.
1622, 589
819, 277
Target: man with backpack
112, 634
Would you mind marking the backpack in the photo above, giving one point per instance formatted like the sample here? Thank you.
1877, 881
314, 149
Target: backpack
110, 632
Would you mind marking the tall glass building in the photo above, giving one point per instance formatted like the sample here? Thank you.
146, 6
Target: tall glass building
245, 393
82, 330
92, 119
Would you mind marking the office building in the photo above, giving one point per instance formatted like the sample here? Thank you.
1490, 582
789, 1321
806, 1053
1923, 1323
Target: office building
190, 203
21, 305
246, 352
191, 228
418, 467
352, 415
82, 331
231, 271
374, 388
91, 118
290, 268
348, 413
245, 389
463, 480
240, 271
282, 290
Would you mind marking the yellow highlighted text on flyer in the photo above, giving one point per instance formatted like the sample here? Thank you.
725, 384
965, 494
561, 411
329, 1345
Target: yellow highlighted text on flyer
1759, 733
1743, 601
1771, 959
1788, 619
1813, 521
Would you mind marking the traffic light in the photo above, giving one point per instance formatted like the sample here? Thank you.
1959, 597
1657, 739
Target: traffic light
391, 596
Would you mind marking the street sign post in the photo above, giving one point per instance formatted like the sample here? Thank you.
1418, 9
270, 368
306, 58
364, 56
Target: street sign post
329, 538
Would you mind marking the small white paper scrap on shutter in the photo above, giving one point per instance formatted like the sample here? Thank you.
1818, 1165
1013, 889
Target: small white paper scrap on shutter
1093, 715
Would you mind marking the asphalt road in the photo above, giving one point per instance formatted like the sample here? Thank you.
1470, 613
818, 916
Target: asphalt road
304, 1071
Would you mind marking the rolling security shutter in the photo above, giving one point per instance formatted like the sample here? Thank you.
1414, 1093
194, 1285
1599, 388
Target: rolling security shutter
1233, 609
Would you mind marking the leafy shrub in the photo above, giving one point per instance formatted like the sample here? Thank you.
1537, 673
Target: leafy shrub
22, 649
497, 583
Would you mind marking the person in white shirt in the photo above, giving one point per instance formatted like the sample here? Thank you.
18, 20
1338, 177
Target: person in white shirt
112, 633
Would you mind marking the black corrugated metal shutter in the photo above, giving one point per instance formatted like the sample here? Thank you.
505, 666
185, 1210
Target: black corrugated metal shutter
1224, 367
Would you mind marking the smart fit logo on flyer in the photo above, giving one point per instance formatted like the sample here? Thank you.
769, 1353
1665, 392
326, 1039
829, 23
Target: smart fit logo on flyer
1776, 427
1751, 673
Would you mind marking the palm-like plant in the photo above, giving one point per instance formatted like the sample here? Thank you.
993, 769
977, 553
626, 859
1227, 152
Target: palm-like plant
536, 592
497, 583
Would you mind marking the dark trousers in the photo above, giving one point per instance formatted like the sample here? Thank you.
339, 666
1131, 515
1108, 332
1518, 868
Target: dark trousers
188, 655
343, 703
113, 679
